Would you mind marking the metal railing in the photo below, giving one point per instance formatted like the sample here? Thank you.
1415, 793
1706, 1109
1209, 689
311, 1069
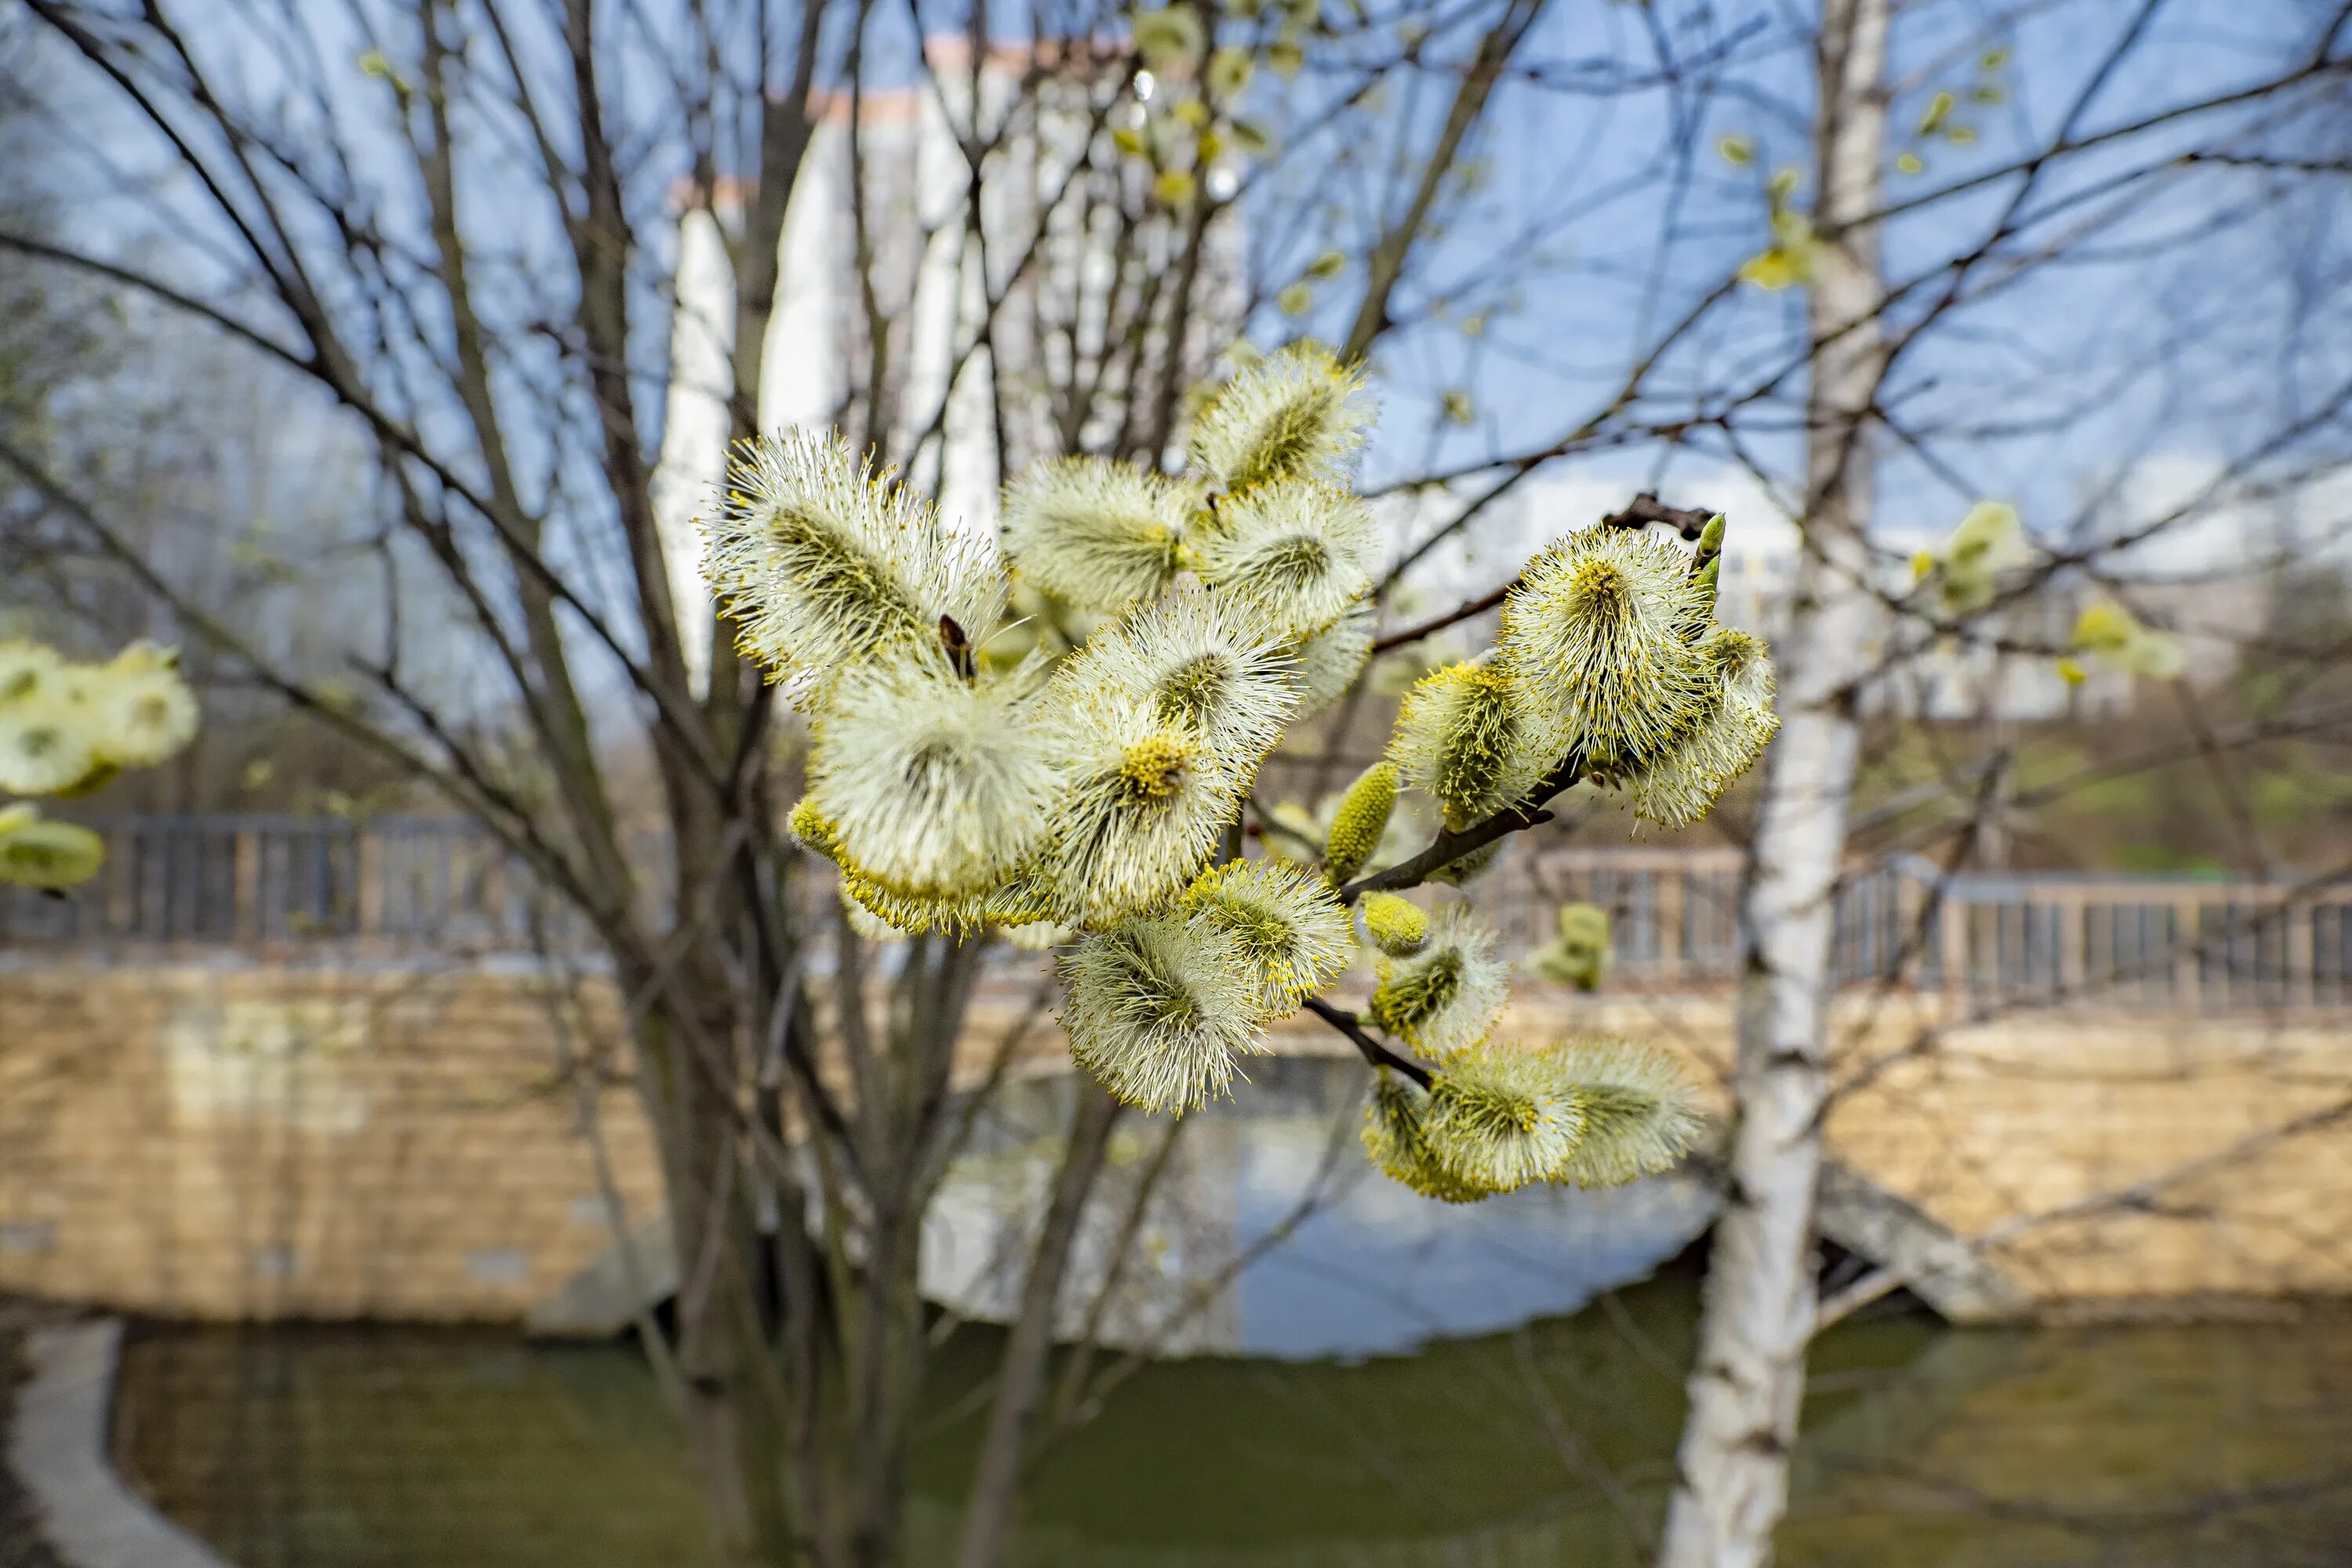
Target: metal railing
2171, 943
432, 884
292, 888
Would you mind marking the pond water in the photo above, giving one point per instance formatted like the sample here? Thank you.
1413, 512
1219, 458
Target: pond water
1389, 1384
1265, 1232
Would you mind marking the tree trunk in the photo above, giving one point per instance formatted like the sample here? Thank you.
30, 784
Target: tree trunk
1748, 1382
1020, 1375
734, 1428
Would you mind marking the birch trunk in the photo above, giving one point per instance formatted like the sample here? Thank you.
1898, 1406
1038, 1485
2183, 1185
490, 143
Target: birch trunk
1747, 1381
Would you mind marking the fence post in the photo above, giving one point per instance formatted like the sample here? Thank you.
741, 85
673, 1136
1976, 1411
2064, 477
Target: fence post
492, 892
1666, 913
1952, 933
2072, 913
2302, 988
369, 855
244, 886
1910, 932
124, 871
2188, 954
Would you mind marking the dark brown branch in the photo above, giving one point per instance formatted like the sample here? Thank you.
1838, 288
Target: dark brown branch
1645, 509
1378, 1054
1436, 624
254, 337
1449, 847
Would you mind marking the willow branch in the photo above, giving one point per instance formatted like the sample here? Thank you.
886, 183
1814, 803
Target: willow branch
1384, 267
1436, 624
1449, 847
1378, 1054
1643, 509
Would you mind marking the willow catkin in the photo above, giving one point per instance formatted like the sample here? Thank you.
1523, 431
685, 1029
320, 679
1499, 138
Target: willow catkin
1158, 1009
1445, 998
1639, 1114
1196, 661
1143, 806
1298, 552
1098, 534
1291, 930
1397, 926
1501, 1117
1361, 821
1601, 629
1682, 785
936, 786
1297, 414
1469, 735
824, 564
44, 854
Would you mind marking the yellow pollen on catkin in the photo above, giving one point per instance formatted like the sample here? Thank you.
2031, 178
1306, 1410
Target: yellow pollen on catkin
1599, 583
1152, 765
808, 825
1398, 926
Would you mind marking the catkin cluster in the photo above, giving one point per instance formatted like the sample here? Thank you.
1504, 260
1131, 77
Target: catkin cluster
66, 729
1497, 1117
962, 780
979, 768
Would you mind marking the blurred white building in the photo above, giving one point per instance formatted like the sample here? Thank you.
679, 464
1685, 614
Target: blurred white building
907, 169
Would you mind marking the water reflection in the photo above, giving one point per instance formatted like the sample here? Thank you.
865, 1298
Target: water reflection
2172, 1446
1269, 1195
1419, 1392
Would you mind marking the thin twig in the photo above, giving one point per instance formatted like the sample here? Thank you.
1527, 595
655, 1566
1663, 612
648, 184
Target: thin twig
1455, 617
1449, 847
1378, 1054
1643, 509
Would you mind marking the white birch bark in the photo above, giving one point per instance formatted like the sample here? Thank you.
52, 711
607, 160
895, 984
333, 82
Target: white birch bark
1747, 1381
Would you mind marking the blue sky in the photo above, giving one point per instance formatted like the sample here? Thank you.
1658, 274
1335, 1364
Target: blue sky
2181, 331
2163, 342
